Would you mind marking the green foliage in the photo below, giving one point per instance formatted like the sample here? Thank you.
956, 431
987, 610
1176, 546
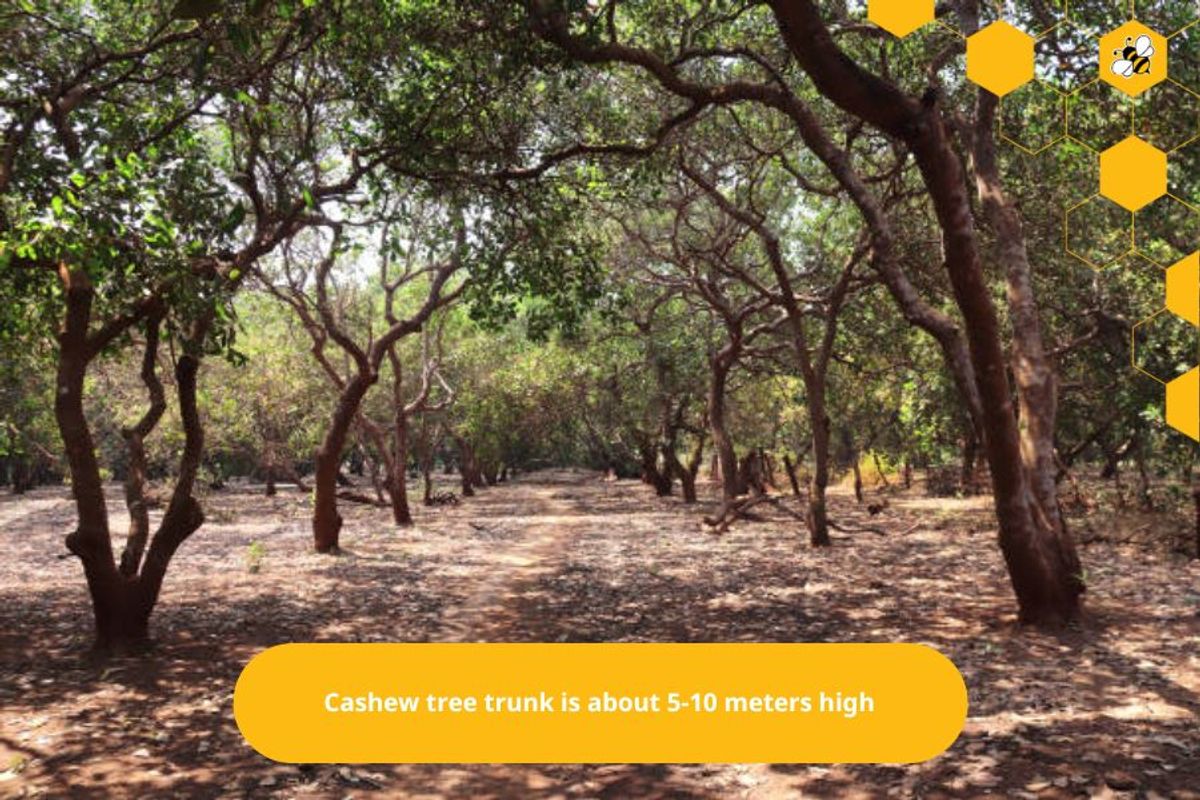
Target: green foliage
256, 554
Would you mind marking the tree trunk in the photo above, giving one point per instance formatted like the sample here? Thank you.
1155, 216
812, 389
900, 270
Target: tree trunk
687, 484
327, 522
1045, 578
970, 455
90, 540
426, 463
1145, 499
121, 604
135, 478
22, 476
687, 476
790, 468
401, 514
818, 517
651, 474
1033, 373
722, 444
465, 466
879, 470
768, 464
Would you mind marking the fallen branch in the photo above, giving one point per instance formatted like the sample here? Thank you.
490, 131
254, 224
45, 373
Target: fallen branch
740, 509
358, 497
864, 529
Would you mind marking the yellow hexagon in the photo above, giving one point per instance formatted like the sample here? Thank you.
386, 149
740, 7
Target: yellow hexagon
1133, 58
1183, 404
1133, 173
1183, 289
900, 17
1000, 58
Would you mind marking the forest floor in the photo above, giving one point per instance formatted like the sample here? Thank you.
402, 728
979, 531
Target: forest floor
1110, 710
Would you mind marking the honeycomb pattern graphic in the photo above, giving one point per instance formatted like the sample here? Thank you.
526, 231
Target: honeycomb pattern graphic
1115, 97
1133, 173
1000, 58
1127, 69
901, 17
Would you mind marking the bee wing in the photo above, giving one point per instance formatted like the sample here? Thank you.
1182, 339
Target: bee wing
1145, 46
1123, 68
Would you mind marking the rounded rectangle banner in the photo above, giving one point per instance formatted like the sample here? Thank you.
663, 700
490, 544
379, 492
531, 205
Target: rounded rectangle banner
600, 703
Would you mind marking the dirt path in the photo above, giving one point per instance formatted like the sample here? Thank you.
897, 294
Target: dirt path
491, 611
1110, 711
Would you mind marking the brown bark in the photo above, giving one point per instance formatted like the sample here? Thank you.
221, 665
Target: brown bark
970, 457
466, 466
687, 472
121, 603
879, 470
401, 514
1033, 373
398, 466
659, 479
90, 540
790, 468
813, 366
1044, 581
722, 444
135, 479
327, 522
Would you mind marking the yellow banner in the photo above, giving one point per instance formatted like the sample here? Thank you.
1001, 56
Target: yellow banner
600, 703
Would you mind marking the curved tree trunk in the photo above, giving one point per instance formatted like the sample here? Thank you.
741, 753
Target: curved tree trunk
818, 515
687, 472
121, 603
1045, 578
722, 444
466, 466
401, 514
327, 522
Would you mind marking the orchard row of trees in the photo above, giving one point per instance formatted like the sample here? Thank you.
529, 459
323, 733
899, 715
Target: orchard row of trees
292, 239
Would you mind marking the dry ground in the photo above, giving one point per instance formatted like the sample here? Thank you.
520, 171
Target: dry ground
1109, 710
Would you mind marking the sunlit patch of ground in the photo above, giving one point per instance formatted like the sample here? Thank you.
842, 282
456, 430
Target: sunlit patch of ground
1110, 710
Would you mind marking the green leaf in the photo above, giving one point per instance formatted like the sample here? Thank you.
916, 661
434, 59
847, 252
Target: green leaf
233, 219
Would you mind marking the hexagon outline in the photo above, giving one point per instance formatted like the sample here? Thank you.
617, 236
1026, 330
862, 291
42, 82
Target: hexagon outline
1063, 134
1072, 137
1137, 250
1183, 288
1189, 383
1092, 264
1133, 344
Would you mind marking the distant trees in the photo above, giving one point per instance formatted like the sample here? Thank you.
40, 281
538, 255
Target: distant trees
430, 270
1038, 549
625, 235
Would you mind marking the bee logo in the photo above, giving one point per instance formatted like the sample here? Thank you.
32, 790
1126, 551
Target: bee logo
1134, 58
